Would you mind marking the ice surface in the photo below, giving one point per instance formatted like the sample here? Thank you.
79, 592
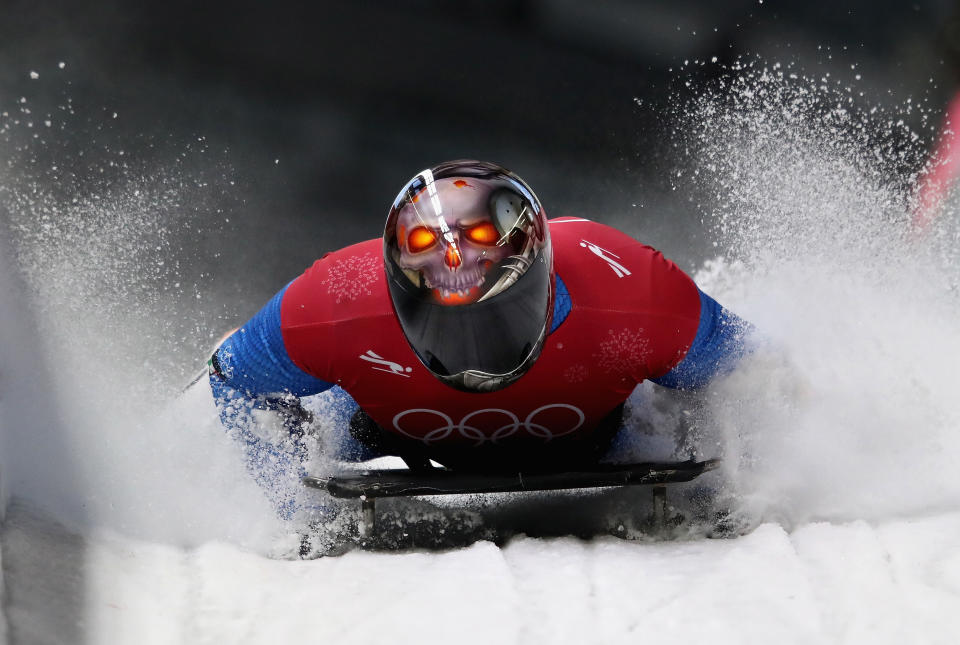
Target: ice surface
851, 582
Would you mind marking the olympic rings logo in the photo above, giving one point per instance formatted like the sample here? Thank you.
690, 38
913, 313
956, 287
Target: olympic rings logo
512, 426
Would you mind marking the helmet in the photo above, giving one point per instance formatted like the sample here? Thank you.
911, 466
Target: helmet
470, 272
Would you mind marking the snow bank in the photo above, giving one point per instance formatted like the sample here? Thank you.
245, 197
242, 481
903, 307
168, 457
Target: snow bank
27, 419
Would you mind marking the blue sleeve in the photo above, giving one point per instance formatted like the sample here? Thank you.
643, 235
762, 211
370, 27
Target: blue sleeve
561, 304
720, 344
254, 359
252, 371
276, 463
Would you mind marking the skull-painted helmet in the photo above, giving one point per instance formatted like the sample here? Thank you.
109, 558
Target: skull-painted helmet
470, 271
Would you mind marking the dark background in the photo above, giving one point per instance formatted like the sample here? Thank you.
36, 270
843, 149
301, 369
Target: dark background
294, 124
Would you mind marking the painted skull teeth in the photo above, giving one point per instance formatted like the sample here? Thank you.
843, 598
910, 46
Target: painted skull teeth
462, 293
460, 285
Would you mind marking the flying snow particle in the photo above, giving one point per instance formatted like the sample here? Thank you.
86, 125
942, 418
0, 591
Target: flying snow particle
34, 75
61, 64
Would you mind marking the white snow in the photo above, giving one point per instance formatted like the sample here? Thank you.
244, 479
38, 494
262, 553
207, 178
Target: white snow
857, 582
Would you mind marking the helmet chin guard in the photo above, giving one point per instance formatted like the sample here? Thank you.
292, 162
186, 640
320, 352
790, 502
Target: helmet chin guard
470, 272
477, 381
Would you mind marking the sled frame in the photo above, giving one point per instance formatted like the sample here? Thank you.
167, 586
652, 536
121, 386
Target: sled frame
369, 485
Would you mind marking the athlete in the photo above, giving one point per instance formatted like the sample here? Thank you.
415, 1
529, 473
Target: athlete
476, 334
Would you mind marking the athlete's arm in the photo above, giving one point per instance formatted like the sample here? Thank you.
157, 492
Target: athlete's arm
720, 344
254, 359
249, 372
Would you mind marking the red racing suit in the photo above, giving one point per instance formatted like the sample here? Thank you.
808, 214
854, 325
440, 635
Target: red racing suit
633, 316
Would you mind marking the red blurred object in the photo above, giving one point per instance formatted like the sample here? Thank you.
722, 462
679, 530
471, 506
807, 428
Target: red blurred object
943, 171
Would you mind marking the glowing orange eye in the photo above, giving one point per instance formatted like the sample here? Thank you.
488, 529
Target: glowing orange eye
485, 233
420, 239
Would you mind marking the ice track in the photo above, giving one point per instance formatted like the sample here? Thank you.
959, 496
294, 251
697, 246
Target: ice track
892, 582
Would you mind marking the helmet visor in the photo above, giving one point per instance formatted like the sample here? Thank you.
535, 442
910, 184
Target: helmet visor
494, 336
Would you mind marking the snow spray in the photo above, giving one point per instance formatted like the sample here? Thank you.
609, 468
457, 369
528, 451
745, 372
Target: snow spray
849, 409
111, 318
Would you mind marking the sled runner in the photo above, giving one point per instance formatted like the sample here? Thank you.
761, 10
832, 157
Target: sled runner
367, 486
